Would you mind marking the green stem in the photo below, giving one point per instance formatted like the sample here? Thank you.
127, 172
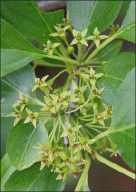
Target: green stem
58, 136
74, 55
80, 54
68, 83
42, 62
114, 166
100, 136
96, 130
89, 133
39, 102
82, 119
89, 50
57, 53
84, 175
61, 72
61, 123
62, 59
108, 132
66, 42
62, 49
35, 66
78, 107
96, 126
106, 42
55, 125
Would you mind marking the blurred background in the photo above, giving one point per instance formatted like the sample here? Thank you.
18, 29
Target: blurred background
101, 177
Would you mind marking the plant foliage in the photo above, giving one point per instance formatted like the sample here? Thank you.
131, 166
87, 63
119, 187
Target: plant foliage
93, 113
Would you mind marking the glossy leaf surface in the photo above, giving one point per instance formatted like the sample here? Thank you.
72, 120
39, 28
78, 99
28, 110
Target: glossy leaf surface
115, 71
22, 81
123, 121
32, 179
22, 142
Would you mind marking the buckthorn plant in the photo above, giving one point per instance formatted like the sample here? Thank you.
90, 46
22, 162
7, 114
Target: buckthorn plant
57, 132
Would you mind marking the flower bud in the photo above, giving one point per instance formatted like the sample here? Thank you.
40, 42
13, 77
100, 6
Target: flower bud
70, 50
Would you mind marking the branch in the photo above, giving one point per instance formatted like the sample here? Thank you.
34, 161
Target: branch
115, 166
66, 141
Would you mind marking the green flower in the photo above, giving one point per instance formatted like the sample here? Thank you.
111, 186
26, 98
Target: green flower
98, 117
66, 20
16, 114
22, 102
40, 83
79, 160
96, 37
76, 147
32, 117
51, 104
64, 99
96, 93
94, 76
71, 132
113, 148
78, 90
62, 174
60, 31
79, 37
49, 48
58, 101
108, 111
70, 50
85, 144
114, 29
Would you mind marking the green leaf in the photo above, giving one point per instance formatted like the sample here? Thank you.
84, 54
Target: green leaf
26, 17
91, 14
127, 30
111, 50
32, 179
16, 51
85, 186
21, 143
6, 125
13, 83
102, 15
49, 62
124, 8
123, 121
79, 12
6, 170
115, 71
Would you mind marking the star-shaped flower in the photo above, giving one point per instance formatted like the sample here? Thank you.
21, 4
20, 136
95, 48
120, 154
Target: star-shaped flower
96, 93
61, 31
98, 117
41, 83
96, 37
78, 90
31, 117
49, 48
22, 102
51, 104
108, 110
71, 132
79, 37
94, 76
85, 144
62, 174
16, 114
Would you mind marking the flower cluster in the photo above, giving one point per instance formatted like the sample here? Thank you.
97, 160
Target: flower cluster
79, 38
71, 116
63, 160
